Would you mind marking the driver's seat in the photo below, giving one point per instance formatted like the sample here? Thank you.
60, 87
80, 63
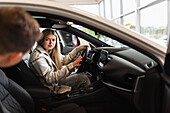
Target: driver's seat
14, 99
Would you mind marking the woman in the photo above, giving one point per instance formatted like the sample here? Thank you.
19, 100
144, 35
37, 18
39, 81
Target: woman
47, 63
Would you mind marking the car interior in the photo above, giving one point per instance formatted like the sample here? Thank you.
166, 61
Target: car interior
124, 79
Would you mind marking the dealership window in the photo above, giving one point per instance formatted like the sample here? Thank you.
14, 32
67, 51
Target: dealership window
92, 8
144, 2
149, 17
108, 9
101, 9
129, 21
115, 8
128, 5
154, 22
117, 21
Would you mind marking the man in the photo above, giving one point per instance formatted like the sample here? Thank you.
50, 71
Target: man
18, 33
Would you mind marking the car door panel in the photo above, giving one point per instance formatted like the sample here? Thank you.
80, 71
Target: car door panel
166, 86
165, 93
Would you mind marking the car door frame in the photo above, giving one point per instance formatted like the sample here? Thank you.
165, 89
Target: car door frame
166, 81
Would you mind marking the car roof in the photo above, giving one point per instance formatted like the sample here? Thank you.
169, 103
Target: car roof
135, 39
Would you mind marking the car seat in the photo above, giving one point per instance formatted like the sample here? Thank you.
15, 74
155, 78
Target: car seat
15, 99
23, 75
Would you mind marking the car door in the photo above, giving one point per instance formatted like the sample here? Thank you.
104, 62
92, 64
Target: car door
166, 83
124, 60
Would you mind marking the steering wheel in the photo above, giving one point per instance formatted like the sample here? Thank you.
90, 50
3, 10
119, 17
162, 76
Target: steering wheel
84, 54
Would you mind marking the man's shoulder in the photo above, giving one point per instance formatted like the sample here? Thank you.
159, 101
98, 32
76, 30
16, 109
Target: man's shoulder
3, 79
1, 74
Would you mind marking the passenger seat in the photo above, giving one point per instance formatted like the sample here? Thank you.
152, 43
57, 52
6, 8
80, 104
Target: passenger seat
23, 75
14, 99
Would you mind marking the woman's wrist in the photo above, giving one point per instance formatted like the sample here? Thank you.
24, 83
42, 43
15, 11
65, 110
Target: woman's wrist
70, 66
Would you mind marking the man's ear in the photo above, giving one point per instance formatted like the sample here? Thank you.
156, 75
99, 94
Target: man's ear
10, 59
13, 57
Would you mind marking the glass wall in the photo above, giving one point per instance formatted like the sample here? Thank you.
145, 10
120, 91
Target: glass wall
145, 2
92, 8
154, 22
128, 5
108, 9
116, 11
117, 21
101, 9
129, 21
149, 17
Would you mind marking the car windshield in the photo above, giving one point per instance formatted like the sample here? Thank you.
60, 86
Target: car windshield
99, 36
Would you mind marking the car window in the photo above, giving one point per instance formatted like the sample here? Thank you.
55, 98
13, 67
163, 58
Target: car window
83, 42
99, 36
71, 40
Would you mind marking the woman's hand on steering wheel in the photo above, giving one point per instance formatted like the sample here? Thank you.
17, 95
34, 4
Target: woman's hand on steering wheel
84, 46
77, 61
80, 64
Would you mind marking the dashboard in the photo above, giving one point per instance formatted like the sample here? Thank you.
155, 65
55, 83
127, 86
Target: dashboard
122, 69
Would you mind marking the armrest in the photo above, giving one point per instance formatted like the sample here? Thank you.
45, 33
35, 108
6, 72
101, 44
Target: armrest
38, 91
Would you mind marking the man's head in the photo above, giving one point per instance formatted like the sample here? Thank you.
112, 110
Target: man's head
18, 33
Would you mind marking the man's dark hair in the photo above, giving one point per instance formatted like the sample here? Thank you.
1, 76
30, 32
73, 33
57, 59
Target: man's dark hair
18, 30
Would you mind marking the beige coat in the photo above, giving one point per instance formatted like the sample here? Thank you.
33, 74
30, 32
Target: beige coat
43, 66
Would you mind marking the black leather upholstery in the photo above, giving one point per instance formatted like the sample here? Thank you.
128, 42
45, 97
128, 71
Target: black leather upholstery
14, 99
22, 75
